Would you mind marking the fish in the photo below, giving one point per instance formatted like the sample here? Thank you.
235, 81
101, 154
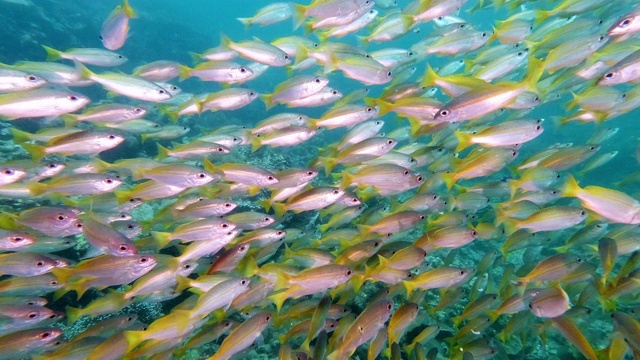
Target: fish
40, 102
90, 56
115, 28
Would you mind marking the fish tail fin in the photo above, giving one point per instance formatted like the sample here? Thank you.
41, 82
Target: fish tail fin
328, 164
225, 41
307, 28
163, 152
540, 16
493, 315
322, 36
8, 221
161, 238
571, 187
36, 189
128, 10
82, 70
384, 106
134, 338
410, 286
513, 185
430, 77
37, 152
247, 22
449, 179
266, 204
184, 71
298, 13
73, 314
122, 196
510, 226
195, 57
210, 167
70, 120
255, 143
464, 140
20, 136
347, 179
324, 227
267, 99
302, 53
534, 72
52, 54
278, 300
279, 208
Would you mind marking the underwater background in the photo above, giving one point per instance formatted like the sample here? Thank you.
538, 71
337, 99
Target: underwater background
171, 30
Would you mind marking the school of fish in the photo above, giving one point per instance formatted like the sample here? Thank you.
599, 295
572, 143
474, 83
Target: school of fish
445, 231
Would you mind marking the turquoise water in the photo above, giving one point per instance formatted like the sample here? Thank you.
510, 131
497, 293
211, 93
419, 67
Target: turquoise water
169, 30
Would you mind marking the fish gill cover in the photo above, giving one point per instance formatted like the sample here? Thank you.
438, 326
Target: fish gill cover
344, 179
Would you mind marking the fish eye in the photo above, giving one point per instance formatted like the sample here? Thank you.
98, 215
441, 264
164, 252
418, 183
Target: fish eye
369, 109
538, 127
268, 317
600, 38
32, 78
270, 178
143, 259
243, 281
335, 192
123, 247
520, 53
406, 172
462, 272
317, 80
484, 35
39, 263
422, 217
334, 92
72, 97
251, 93
266, 218
119, 56
111, 137
444, 113
224, 225
61, 217
201, 176
389, 74
243, 70
174, 88
625, 22
130, 227
609, 75
227, 204
419, 178
161, 91
582, 213
17, 238
286, 57
309, 173
108, 181
592, 148
474, 233
45, 335
279, 232
52, 166
8, 172
389, 307
389, 142
138, 110
79, 225
348, 272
